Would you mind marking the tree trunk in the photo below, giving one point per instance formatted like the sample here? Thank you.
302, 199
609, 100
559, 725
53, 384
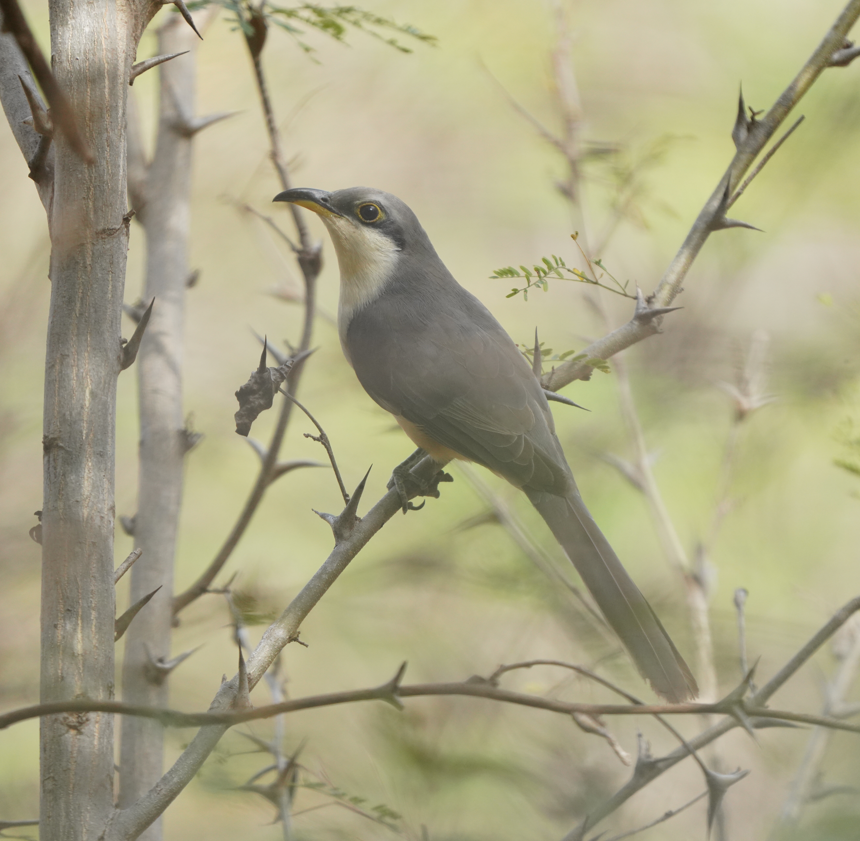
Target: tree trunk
164, 213
93, 48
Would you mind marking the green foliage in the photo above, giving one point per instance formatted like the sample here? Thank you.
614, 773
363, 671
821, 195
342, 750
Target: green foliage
538, 276
547, 355
332, 21
380, 813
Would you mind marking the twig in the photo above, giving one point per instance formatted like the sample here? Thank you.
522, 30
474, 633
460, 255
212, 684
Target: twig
126, 565
670, 285
740, 602
664, 817
801, 789
529, 547
761, 164
16, 24
308, 257
323, 439
757, 701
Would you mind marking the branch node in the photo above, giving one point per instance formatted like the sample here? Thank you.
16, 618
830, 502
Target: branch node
188, 128
844, 56
348, 519
390, 691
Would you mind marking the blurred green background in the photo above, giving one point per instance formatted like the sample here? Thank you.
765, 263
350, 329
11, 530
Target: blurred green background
442, 589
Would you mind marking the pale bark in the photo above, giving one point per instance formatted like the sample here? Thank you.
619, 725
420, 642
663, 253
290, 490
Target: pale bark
164, 211
88, 261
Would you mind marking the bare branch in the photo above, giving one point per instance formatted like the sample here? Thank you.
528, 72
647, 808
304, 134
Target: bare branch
759, 135
323, 439
126, 565
16, 24
761, 164
15, 79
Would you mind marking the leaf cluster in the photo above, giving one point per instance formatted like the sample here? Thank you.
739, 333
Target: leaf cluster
332, 21
548, 355
380, 813
538, 276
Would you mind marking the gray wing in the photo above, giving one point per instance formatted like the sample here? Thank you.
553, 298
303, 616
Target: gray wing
457, 375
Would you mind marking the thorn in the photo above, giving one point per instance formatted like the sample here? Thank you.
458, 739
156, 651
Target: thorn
536, 358
284, 467
134, 311
764, 723
258, 448
718, 786
733, 703
129, 351
159, 668
183, 10
390, 691
629, 471
190, 438
122, 623
242, 700
644, 313
347, 520
188, 128
127, 524
558, 398
263, 745
148, 64
723, 222
261, 368
126, 565
42, 123
280, 357
741, 128
329, 518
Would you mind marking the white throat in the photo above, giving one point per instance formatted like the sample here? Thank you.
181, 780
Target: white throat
366, 259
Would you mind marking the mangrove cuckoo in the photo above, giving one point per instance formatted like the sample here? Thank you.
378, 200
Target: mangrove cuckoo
431, 353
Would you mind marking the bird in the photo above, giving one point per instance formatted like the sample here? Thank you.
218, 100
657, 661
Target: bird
430, 353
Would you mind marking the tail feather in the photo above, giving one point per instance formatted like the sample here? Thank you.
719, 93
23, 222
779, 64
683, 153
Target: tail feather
624, 607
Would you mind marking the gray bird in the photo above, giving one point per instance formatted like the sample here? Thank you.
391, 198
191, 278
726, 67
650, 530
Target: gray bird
431, 353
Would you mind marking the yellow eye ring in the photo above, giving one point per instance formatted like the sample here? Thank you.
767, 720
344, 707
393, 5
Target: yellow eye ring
369, 212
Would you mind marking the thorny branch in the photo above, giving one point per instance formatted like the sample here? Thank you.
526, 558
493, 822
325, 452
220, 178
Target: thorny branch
63, 116
393, 692
308, 256
757, 133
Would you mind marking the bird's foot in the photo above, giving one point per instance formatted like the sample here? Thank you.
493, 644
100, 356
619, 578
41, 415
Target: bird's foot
409, 485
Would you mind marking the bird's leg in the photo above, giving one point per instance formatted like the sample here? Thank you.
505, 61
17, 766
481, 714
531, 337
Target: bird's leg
409, 485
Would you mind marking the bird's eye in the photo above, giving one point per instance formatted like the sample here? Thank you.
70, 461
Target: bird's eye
369, 212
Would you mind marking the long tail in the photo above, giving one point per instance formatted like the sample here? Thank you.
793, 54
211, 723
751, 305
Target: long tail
624, 607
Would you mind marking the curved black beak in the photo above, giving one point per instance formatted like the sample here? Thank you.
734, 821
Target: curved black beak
319, 201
